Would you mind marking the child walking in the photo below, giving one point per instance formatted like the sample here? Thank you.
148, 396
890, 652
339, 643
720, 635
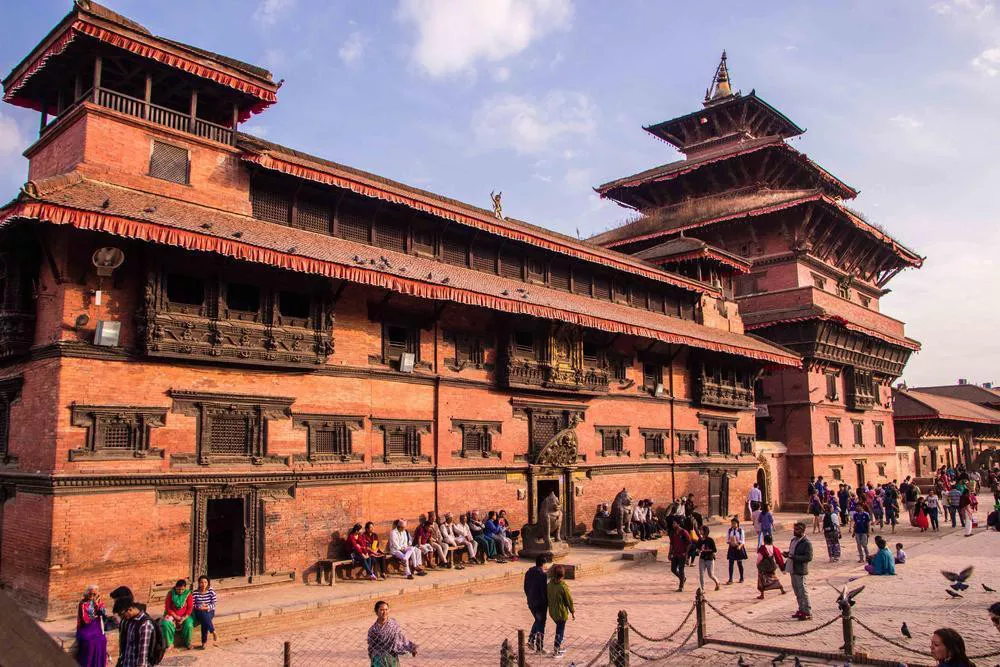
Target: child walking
560, 605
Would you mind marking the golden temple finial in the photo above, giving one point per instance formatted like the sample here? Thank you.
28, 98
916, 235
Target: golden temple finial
720, 88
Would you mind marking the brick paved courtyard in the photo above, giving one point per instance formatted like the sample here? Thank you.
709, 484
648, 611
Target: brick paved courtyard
470, 629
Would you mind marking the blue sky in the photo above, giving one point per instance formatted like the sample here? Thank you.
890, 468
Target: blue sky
543, 99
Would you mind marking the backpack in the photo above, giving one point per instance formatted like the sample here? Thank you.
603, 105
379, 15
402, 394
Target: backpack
158, 643
768, 565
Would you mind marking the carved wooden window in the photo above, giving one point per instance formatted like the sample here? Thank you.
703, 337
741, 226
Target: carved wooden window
591, 353
390, 232
654, 442
746, 443
621, 292
879, 435
535, 270
329, 437
270, 200
613, 440
353, 223
510, 264
834, 427
477, 437
401, 439
243, 301
312, 213
559, 277
652, 375
881, 469
750, 284
831, 386
865, 301
185, 294
454, 250
718, 433
10, 390
581, 282
397, 339
484, 257
844, 292
619, 367
836, 473
423, 239
543, 428
294, 308
656, 302
115, 432
169, 163
231, 427
525, 345
859, 432
602, 288
687, 441
469, 351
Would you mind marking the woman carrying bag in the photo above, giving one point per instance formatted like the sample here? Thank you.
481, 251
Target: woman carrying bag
737, 552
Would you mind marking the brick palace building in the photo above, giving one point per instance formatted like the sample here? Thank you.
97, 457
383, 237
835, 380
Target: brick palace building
218, 353
752, 215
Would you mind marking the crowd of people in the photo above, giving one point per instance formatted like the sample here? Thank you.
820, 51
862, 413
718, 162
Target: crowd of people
433, 543
142, 641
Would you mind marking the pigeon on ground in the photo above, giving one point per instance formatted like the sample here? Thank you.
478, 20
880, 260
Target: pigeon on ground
988, 589
952, 593
959, 578
906, 631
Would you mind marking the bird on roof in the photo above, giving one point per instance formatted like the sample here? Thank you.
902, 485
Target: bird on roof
149, 209
206, 225
906, 631
237, 234
959, 578
106, 203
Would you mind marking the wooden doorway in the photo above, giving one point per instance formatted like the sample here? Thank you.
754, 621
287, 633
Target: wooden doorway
718, 494
762, 485
934, 462
860, 466
225, 521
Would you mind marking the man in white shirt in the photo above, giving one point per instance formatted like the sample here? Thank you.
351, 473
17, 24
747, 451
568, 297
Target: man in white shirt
456, 534
400, 548
755, 497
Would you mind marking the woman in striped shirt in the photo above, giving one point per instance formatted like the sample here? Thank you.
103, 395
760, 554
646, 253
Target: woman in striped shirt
204, 608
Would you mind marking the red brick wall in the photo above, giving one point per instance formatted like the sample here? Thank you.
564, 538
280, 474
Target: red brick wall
24, 550
58, 152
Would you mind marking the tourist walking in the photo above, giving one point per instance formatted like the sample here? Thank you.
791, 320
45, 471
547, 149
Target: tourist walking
137, 634
560, 605
536, 592
954, 501
800, 553
932, 504
707, 551
403, 551
831, 533
948, 648
91, 644
920, 519
965, 510
755, 497
816, 509
737, 548
177, 618
205, 600
680, 543
766, 523
860, 527
770, 564
386, 641
843, 498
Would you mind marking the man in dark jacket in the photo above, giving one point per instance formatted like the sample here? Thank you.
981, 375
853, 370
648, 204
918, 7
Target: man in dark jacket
535, 589
680, 543
843, 497
800, 552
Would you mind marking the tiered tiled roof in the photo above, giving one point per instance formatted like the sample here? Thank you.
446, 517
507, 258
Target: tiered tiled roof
94, 205
973, 393
683, 248
911, 404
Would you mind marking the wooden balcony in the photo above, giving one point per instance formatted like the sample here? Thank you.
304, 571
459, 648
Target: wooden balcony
860, 402
158, 115
530, 374
17, 332
722, 395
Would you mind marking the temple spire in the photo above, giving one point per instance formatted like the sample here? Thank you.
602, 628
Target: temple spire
720, 88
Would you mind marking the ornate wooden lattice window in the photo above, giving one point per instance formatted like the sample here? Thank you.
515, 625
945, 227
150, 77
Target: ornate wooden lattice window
535, 270
397, 339
454, 250
834, 427
312, 213
232, 428
10, 391
401, 439
354, 222
581, 282
655, 442
559, 277
470, 351
511, 264
525, 344
652, 377
687, 442
271, 199
477, 437
423, 237
116, 431
613, 440
484, 257
602, 288
619, 365
859, 432
391, 232
329, 438
879, 434
719, 434
169, 163
746, 443
881, 469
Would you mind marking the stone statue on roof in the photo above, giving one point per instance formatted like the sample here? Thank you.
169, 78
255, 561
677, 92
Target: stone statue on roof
497, 204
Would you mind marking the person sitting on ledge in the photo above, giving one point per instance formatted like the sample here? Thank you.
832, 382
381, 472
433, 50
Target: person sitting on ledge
402, 550
638, 522
485, 543
504, 546
437, 540
512, 535
359, 550
374, 549
882, 562
463, 536
177, 614
422, 541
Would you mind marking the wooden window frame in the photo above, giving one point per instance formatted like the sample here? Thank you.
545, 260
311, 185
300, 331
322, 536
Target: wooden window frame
314, 423
654, 443
725, 427
412, 430
687, 441
831, 386
98, 419
484, 430
170, 146
389, 357
656, 375
833, 426
615, 436
858, 429
879, 433
10, 392
837, 473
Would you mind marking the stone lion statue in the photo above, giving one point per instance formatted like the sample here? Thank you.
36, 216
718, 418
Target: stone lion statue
621, 512
550, 520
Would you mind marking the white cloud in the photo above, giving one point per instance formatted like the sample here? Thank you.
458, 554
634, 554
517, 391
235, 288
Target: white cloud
988, 62
454, 35
531, 126
12, 142
977, 8
906, 122
269, 11
353, 48
501, 74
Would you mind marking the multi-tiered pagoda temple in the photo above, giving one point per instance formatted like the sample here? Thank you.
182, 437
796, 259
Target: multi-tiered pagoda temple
749, 213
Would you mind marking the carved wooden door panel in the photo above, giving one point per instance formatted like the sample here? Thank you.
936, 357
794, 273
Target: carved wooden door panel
714, 495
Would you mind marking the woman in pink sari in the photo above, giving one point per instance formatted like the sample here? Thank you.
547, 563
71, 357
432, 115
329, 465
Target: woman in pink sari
91, 644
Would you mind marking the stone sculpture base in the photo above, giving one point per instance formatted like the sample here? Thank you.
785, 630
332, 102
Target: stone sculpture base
557, 551
612, 541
